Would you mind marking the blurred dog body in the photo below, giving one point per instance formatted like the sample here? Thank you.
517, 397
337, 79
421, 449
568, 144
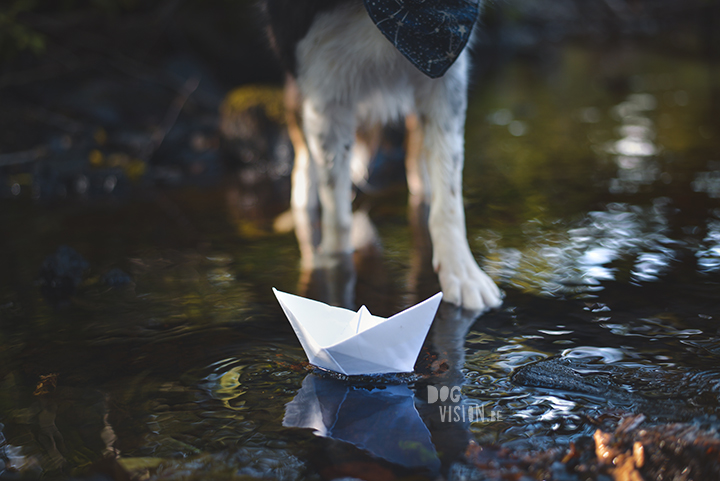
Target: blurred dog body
343, 76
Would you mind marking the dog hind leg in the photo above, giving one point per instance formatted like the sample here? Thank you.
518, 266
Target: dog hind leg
330, 133
304, 201
418, 181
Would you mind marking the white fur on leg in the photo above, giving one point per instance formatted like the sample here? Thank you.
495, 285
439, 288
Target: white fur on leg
349, 73
304, 203
442, 108
330, 132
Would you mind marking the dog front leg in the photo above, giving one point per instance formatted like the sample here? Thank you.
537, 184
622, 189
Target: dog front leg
442, 113
330, 133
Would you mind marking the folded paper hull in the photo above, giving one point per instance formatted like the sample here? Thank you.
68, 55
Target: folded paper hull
358, 343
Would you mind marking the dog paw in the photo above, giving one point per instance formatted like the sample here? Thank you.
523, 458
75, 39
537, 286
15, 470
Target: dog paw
464, 284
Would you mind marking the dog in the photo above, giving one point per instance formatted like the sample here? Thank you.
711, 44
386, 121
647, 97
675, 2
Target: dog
344, 73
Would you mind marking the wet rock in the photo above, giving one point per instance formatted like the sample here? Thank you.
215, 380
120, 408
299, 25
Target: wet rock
565, 374
667, 395
634, 451
61, 274
676, 451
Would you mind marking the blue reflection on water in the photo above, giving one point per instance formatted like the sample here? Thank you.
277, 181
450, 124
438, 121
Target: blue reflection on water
379, 419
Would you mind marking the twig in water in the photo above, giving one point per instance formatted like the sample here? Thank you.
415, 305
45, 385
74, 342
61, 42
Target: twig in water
171, 116
24, 157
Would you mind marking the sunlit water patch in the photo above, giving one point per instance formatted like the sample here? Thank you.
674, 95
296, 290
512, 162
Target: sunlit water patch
620, 242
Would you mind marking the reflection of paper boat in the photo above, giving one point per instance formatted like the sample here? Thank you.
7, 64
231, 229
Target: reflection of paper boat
382, 421
355, 343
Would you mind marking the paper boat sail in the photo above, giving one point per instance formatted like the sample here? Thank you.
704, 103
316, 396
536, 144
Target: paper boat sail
356, 343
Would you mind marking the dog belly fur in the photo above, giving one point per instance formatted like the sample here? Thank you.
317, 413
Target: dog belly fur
348, 75
345, 60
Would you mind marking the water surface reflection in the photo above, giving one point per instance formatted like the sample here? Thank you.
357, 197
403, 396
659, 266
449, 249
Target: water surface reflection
380, 419
623, 241
592, 192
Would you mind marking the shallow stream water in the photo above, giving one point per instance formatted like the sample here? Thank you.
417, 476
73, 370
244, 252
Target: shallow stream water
592, 187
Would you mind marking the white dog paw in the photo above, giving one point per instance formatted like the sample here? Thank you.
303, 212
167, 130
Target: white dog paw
464, 284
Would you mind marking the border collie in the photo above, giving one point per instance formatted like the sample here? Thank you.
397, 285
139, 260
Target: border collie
351, 65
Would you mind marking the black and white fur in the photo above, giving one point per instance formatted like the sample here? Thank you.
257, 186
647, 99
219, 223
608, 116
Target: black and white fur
344, 74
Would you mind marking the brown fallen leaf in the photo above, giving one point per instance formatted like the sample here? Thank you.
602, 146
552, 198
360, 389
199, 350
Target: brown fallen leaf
48, 383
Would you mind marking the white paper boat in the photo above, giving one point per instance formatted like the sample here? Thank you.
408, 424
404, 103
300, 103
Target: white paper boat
355, 343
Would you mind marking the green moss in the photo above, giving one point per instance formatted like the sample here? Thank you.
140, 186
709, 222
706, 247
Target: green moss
16, 36
249, 96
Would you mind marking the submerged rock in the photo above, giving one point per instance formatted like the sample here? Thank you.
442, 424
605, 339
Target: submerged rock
563, 374
61, 274
116, 278
672, 394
